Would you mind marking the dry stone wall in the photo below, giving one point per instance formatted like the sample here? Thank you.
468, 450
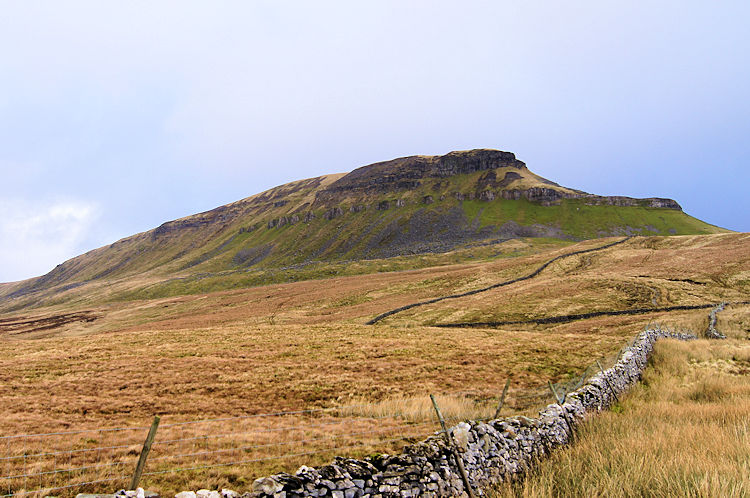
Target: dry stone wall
492, 452
712, 332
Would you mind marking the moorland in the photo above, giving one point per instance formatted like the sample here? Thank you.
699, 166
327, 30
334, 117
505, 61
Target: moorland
262, 306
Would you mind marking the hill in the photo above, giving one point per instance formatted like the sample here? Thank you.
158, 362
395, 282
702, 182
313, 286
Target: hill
410, 205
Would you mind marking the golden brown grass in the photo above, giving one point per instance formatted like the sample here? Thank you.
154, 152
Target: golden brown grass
304, 345
644, 272
124, 378
684, 432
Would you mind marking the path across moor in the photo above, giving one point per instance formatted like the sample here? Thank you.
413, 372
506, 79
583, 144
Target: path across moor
493, 286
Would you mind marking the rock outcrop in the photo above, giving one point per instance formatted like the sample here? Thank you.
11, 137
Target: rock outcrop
618, 200
405, 173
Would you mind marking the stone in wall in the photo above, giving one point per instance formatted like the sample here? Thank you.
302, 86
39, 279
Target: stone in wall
712, 332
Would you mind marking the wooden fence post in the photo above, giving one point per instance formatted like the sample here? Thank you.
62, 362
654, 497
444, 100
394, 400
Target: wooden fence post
502, 399
456, 456
607, 381
560, 402
144, 453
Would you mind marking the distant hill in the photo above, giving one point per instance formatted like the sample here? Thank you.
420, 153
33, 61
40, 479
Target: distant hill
410, 205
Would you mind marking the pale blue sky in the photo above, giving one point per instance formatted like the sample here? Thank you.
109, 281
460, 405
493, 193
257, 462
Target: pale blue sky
116, 117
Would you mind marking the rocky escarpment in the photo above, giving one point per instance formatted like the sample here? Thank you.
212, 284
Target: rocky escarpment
491, 452
617, 200
406, 172
409, 173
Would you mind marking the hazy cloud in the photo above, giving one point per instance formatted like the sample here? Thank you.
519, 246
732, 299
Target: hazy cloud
36, 237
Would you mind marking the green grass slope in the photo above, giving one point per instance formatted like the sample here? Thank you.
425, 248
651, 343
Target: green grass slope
316, 227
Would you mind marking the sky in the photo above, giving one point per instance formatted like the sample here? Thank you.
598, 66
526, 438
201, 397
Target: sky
118, 116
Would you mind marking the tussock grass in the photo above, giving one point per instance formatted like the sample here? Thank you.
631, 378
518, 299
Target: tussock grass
708, 391
303, 345
685, 431
123, 379
454, 408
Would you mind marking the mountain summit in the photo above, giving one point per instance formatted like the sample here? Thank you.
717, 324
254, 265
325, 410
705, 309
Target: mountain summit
410, 205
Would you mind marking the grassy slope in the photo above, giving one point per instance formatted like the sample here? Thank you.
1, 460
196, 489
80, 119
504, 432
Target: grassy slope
683, 432
644, 272
249, 278
575, 218
232, 246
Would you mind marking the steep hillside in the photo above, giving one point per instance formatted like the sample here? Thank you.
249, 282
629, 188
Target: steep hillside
417, 204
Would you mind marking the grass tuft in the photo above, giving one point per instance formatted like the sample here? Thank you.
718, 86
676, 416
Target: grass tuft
708, 391
683, 433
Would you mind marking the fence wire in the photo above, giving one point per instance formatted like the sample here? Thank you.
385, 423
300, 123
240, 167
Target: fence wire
39, 464
100, 460
254, 445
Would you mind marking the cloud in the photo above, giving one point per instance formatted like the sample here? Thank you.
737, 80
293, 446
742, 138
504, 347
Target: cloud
159, 110
34, 237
